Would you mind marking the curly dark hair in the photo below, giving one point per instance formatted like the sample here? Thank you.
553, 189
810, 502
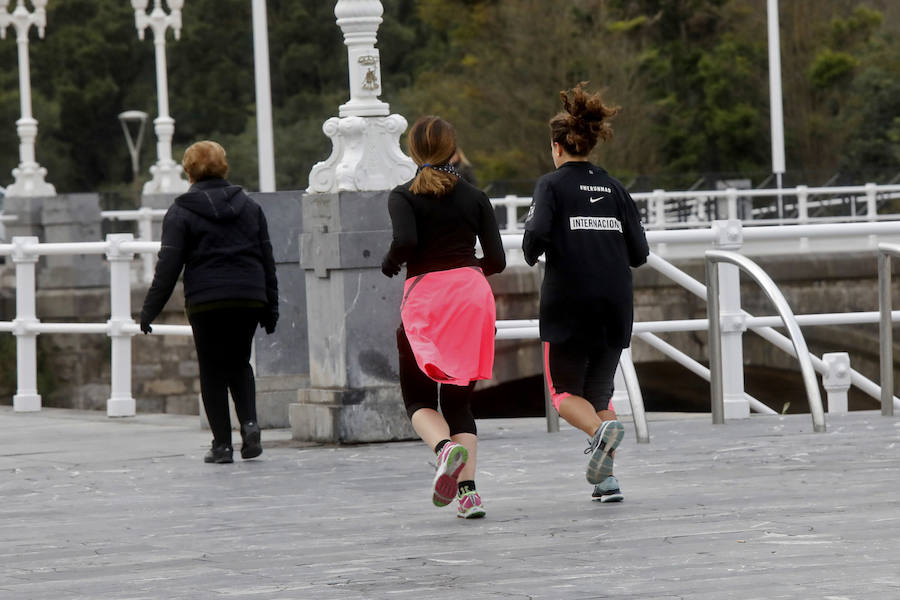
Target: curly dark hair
584, 122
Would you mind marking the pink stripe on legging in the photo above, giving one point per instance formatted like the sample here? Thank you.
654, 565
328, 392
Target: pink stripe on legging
555, 398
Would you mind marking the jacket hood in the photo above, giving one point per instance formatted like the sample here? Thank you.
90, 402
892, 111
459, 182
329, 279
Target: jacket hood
214, 200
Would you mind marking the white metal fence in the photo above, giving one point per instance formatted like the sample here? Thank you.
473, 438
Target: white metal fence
120, 250
144, 218
801, 205
834, 367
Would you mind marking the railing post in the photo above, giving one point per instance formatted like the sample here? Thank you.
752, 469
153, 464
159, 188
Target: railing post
736, 406
26, 398
731, 197
659, 208
871, 204
802, 204
511, 213
120, 403
836, 380
886, 333
635, 398
619, 399
715, 343
145, 233
801, 351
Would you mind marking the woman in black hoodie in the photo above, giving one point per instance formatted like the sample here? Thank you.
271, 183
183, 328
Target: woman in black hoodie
221, 239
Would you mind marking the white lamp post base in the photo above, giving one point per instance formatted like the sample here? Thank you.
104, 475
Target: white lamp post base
30, 181
366, 156
166, 179
26, 402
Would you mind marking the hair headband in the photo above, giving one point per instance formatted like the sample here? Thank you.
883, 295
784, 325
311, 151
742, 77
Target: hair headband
446, 168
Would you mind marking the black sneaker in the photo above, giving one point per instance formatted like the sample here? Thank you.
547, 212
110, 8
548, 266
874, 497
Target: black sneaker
220, 453
252, 446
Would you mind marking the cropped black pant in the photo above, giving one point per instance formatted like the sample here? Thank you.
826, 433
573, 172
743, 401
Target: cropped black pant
421, 391
223, 339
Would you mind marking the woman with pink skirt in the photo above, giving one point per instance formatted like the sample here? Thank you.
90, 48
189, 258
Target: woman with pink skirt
446, 338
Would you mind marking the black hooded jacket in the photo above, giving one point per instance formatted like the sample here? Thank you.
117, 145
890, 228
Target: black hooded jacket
221, 238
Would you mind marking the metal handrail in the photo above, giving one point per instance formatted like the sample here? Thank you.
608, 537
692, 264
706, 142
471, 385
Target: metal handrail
713, 257
635, 398
885, 326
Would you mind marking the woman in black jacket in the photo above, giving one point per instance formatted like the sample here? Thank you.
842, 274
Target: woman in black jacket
587, 225
447, 333
221, 239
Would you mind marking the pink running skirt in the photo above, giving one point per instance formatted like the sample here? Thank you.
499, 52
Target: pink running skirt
449, 320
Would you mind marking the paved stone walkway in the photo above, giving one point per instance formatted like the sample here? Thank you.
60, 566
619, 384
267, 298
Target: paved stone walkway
97, 508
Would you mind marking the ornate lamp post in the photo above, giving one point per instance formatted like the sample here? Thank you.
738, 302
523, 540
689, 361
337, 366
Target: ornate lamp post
29, 175
366, 151
166, 172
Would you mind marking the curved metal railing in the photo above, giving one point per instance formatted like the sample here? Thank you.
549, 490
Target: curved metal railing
713, 257
885, 326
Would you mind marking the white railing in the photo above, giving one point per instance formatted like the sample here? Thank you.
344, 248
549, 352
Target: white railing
144, 218
834, 367
713, 258
885, 325
119, 249
668, 209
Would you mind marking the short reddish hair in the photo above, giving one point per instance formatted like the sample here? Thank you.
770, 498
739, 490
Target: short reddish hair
205, 160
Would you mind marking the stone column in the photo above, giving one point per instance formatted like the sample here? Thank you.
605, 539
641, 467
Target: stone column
282, 358
65, 218
352, 316
352, 309
72, 218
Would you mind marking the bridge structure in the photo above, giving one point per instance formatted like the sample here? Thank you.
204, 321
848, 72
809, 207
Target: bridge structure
724, 365
330, 370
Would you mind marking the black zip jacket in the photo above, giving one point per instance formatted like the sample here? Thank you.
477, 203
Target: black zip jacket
437, 233
589, 227
221, 239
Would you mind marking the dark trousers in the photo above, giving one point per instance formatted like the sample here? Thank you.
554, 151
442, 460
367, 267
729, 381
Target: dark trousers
223, 339
420, 391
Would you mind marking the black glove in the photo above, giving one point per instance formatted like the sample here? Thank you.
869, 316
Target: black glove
145, 326
389, 267
268, 321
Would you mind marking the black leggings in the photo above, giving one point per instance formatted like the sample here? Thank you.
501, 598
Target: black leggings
223, 338
581, 369
420, 391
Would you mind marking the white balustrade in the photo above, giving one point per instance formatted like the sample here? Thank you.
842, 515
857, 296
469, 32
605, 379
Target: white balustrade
120, 249
740, 320
807, 198
144, 218
120, 327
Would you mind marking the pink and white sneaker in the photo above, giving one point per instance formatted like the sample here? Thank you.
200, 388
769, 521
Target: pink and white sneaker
450, 461
470, 506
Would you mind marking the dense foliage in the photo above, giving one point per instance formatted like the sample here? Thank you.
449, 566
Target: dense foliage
691, 77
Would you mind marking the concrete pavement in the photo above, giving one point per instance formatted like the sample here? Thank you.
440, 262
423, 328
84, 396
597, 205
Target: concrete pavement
125, 509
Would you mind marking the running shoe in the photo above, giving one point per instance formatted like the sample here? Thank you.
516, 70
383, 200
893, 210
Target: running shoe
450, 461
607, 491
470, 506
600, 447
